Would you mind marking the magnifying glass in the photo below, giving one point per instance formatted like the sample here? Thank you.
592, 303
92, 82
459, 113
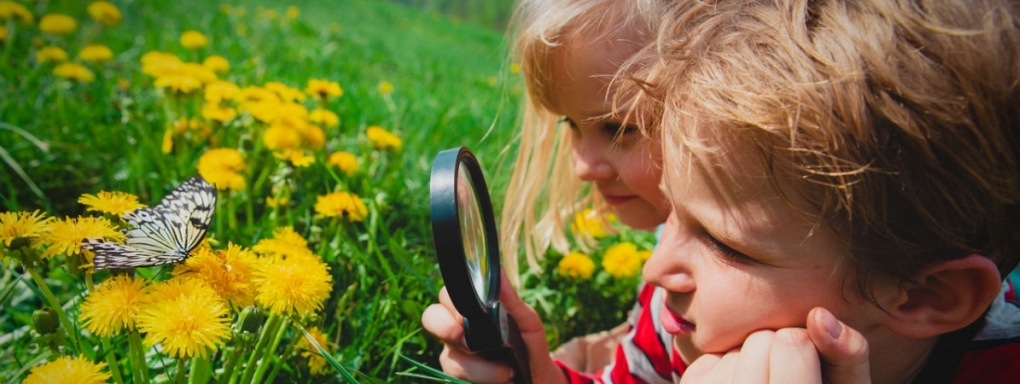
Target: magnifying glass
467, 246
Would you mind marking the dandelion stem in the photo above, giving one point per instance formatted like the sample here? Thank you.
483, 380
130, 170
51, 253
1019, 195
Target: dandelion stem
201, 370
230, 362
55, 304
179, 375
139, 369
268, 331
111, 360
272, 347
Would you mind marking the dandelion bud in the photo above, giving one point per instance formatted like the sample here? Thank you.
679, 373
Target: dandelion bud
45, 321
252, 320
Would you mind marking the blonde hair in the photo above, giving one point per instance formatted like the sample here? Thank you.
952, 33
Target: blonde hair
897, 121
543, 189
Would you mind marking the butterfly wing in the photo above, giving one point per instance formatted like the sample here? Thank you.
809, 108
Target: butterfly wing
164, 234
114, 255
188, 210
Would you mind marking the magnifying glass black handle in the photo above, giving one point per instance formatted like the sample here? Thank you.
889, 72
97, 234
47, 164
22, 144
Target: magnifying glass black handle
499, 339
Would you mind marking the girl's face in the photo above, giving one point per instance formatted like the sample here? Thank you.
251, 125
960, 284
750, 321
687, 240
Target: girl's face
735, 258
619, 162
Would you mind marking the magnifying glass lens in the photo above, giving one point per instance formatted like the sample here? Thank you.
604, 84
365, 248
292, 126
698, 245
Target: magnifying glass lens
471, 224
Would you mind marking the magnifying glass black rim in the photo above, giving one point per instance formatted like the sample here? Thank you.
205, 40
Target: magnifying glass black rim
448, 234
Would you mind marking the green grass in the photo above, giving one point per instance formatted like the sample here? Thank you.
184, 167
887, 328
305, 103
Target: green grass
61, 139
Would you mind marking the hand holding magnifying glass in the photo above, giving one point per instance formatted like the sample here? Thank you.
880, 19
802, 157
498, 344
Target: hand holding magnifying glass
467, 246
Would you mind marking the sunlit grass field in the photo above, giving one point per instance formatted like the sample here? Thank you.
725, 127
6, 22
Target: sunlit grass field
317, 121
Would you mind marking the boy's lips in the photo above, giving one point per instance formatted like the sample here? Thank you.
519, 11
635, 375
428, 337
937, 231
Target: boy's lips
673, 323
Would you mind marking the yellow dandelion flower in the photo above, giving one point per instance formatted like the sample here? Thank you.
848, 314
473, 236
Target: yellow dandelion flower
220, 90
590, 223
178, 82
515, 68
281, 136
285, 92
168, 141
272, 202
187, 319
313, 137
200, 72
193, 40
257, 94
324, 117
30, 225
65, 236
115, 203
316, 363
95, 53
216, 63
284, 242
576, 265
214, 111
50, 53
114, 305
10, 10
222, 167
263, 111
74, 71
341, 204
292, 12
346, 161
299, 282
58, 24
228, 272
105, 13
385, 87
379, 138
324, 89
622, 260
66, 369
296, 157
156, 63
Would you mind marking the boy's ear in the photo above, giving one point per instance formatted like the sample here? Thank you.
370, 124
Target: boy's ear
949, 296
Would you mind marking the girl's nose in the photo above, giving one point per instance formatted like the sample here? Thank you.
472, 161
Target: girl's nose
590, 162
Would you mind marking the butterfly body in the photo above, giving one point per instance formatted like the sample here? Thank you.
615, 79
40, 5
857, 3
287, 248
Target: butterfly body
164, 234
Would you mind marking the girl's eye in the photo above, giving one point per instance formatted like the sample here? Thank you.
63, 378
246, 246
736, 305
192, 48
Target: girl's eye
616, 129
570, 122
725, 250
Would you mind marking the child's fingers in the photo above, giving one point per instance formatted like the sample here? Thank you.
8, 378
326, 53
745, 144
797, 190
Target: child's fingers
793, 358
843, 350
444, 325
465, 365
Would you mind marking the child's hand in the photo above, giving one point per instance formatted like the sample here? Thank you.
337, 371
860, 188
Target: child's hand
827, 348
443, 321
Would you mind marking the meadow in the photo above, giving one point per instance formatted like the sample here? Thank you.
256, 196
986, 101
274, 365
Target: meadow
317, 122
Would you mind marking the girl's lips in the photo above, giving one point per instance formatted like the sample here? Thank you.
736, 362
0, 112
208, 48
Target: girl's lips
617, 200
674, 324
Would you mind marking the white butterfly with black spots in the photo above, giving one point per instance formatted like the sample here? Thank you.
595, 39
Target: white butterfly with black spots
164, 234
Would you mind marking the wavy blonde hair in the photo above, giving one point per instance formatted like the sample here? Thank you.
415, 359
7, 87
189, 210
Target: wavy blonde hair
543, 190
897, 121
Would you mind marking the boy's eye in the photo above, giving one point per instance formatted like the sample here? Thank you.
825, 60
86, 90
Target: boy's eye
725, 251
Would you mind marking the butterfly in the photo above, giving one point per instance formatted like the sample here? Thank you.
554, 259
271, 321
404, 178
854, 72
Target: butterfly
164, 234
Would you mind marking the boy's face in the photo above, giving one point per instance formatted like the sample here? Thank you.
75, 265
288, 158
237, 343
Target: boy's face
735, 258
619, 162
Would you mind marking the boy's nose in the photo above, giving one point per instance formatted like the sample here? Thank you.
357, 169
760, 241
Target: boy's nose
667, 267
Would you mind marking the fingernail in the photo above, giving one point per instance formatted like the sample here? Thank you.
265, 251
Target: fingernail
831, 324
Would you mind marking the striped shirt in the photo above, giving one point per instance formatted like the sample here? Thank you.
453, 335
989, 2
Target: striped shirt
645, 355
